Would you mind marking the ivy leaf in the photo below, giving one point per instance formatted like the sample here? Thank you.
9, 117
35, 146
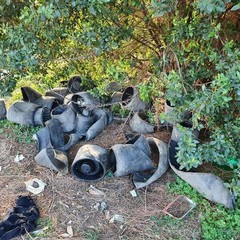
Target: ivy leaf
210, 7
235, 7
92, 10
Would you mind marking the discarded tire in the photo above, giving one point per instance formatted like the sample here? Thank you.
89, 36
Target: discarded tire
55, 133
83, 100
30, 95
74, 84
159, 155
139, 124
84, 121
53, 159
26, 113
207, 184
58, 93
90, 163
43, 138
3, 110
66, 117
129, 158
132, 101
116, 97
102, 118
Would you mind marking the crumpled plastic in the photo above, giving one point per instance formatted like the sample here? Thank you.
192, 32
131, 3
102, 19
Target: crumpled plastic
21, 220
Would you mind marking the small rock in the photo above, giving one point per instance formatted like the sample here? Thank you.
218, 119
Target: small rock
35, 184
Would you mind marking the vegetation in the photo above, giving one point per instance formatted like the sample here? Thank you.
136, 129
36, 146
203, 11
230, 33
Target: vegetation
19, 133
184, 51
216, 221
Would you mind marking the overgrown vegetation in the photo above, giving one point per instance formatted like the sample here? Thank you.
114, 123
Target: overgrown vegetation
19, 133
217, 222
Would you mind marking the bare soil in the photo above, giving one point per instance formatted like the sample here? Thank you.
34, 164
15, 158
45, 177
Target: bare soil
66, 201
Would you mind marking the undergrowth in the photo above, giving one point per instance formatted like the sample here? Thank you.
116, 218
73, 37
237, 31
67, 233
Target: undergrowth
19, 133
217, 222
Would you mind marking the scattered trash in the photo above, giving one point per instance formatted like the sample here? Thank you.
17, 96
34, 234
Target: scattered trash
94, 191
100, 206
21, 219
133, 193
117, 218
65, 235
39, 231
35, 186
96, 206
180, 207
107, 214
0, 168
70, 230
103, 206
18, 158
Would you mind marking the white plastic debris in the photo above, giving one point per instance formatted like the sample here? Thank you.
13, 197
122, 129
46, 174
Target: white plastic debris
39, 231
96, 206
103, 206
0, 168
117, 218
70, 230
96, 192
107, 214
34, 137
35, 186
133, 193
18, 158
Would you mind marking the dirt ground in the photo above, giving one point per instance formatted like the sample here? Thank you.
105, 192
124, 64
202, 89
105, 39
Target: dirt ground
67, 203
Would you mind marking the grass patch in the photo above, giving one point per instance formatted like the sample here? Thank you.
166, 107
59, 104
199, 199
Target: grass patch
19, 133
217, 222
92, 235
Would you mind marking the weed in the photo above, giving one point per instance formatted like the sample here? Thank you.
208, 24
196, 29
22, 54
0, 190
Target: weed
92, 235
20, 133
45, 226
119, 111
217, 222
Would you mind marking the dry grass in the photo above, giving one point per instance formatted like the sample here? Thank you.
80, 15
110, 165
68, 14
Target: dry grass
66, 201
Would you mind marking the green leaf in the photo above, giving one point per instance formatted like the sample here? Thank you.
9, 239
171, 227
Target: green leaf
235, 7
92, 10
210, 7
